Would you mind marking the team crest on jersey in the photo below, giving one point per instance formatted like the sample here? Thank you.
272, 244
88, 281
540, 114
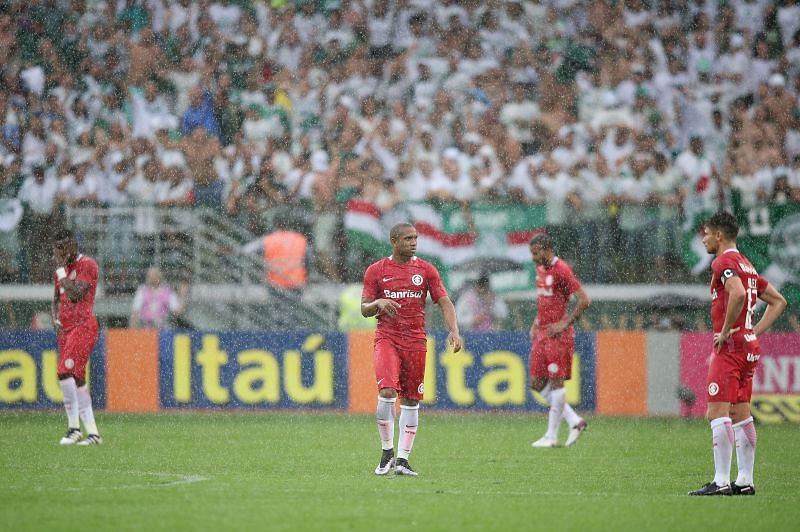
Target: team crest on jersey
416, 279
73, 275
548, 280
713, 389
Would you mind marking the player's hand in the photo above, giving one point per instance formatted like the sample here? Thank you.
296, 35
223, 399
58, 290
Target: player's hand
455, 342
57, 327
388, 307
720, 339
554, 329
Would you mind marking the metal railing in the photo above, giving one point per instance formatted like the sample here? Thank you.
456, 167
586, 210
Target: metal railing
198, 246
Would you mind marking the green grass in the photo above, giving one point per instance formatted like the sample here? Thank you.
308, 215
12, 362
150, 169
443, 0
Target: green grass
243, 471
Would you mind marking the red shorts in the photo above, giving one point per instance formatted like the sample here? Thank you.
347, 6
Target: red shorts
400, 368
730, 376
551, 356
74, 348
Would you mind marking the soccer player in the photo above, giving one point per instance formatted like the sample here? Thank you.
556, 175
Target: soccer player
395, 290
553, 337
735, 286
76, 326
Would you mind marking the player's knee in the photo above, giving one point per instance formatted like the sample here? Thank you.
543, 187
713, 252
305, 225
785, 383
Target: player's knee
64, 376
388, 393
409, 402
538, 384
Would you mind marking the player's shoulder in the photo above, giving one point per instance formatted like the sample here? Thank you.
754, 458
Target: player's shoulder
563, 267
85, 261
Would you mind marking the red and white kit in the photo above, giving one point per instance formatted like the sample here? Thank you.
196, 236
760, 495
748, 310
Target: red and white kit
400, 341
78, 323
730, 374
551, 356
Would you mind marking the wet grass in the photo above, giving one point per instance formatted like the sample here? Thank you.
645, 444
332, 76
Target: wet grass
243, 471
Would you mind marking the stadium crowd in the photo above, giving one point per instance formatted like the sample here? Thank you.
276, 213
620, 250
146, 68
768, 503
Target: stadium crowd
623, 118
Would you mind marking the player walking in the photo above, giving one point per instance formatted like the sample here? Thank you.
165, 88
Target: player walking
735, 285
76, 326
395, 290
553, 337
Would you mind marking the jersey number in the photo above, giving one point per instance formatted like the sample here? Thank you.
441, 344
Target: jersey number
750, 300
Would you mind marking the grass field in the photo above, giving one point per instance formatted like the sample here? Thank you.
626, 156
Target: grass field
242, 471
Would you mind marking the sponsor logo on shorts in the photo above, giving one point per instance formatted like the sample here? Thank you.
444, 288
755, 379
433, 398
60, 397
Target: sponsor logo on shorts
750, 337
752, 357
421, 387
713, 389
552, 367
69, 363
416, 279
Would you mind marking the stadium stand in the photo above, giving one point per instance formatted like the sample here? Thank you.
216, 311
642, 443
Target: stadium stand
173, 132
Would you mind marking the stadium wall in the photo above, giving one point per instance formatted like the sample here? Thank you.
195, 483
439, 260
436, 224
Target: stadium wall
615, 373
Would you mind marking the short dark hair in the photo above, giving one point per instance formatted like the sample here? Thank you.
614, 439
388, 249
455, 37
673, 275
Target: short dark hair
63, 234
542, 239
395, 232
725, 222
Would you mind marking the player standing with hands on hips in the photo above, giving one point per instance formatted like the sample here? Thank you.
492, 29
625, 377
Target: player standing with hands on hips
735, 286
553, 337
76, 326
395, 290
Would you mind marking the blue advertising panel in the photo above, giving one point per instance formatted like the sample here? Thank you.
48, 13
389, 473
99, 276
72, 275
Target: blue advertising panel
28, 366
259, 370
492, 373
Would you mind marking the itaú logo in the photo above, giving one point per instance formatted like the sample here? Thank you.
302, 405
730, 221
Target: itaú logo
401, 294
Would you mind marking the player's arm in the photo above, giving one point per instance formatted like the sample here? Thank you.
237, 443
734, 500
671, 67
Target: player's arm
582, 304
378, 306
776, 304
75, 290
450, 319
734, 290
54, 311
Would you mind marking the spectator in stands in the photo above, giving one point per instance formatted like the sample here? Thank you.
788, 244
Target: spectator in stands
286, 254
38, 194
479, 309
156, 303
200, 113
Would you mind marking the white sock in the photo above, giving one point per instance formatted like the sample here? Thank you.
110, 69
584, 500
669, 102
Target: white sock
546, 391
386, 421
70, 392
85, 410
409, 420
745, 435
722, 436
570, 416
557, 400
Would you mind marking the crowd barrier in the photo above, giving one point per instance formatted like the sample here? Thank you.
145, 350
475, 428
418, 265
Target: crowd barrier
616, 373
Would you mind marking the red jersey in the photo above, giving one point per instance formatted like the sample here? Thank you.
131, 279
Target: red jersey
554, 286
733, 264
409, 284
73, 314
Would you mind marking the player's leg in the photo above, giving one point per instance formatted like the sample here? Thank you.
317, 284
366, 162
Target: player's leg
412, 378
744, 434
387, 376
721, 388
558, 397
540, 381
575, 422
66, 381
84, 344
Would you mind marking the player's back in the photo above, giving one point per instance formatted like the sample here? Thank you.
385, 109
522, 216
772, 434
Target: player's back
732, 263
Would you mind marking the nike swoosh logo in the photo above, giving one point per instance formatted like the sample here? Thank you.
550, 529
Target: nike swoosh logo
379, 382
387, 279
